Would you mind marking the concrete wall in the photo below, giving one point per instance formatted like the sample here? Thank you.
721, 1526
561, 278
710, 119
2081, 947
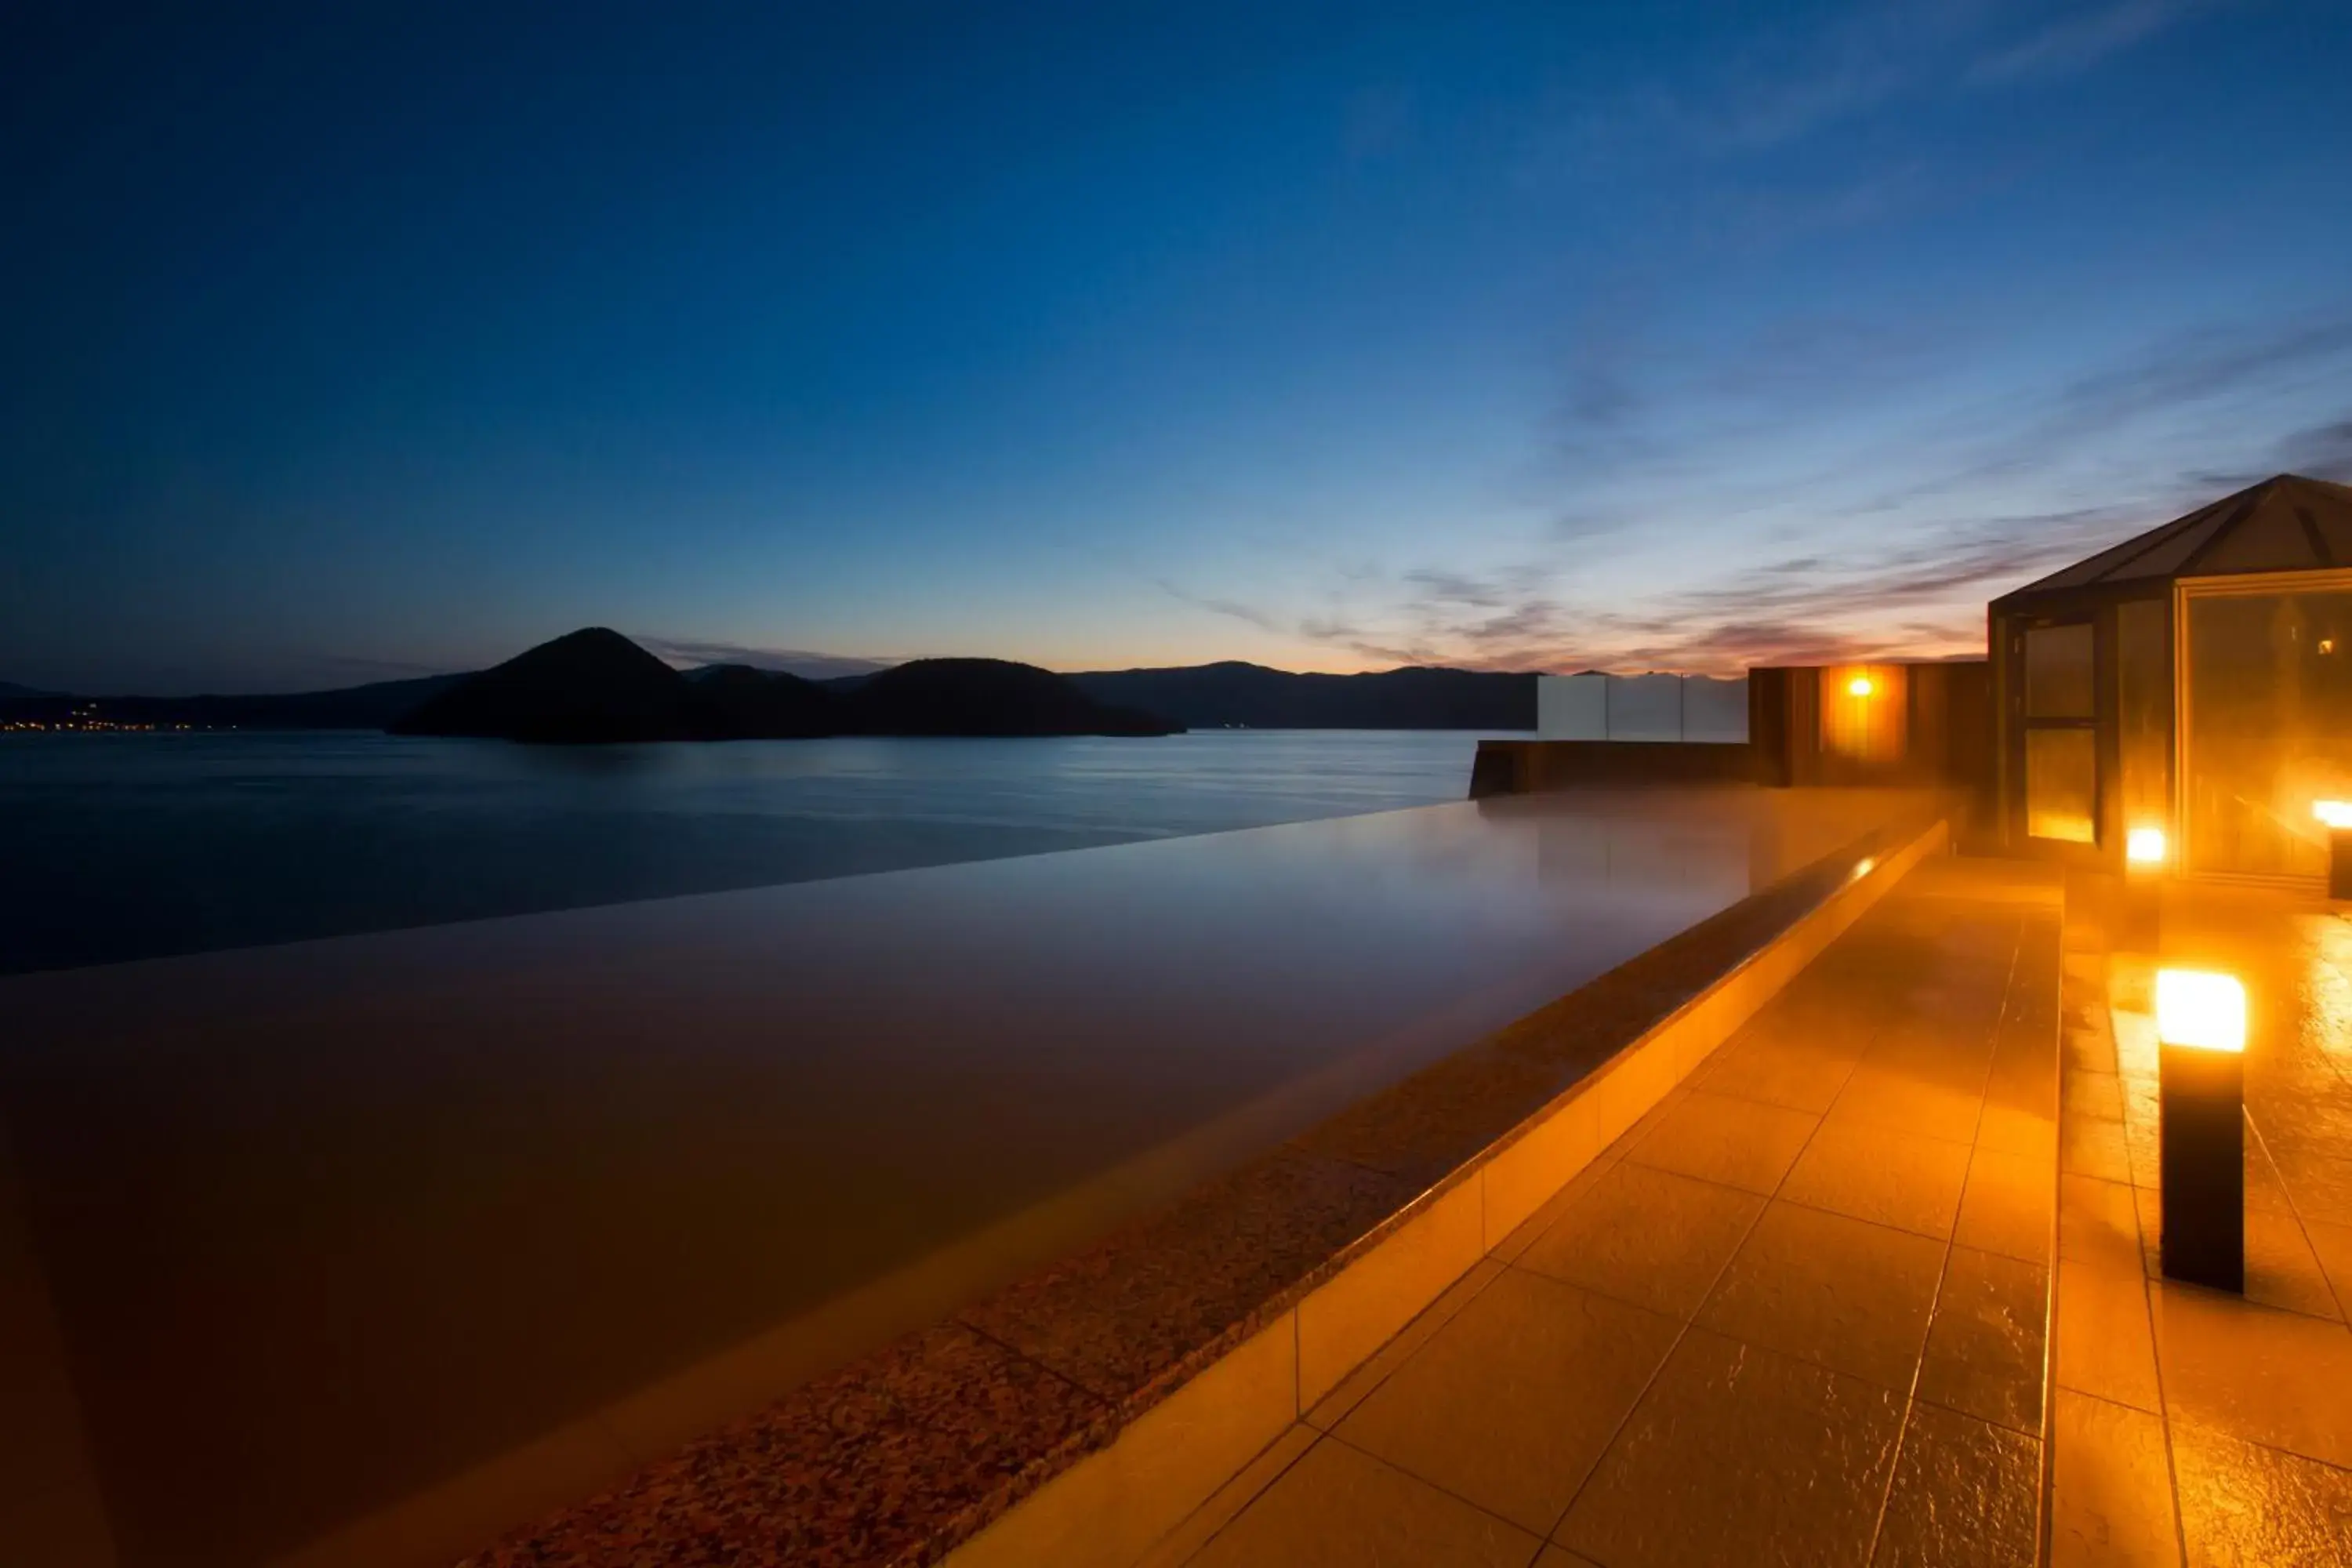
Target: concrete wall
1656, 708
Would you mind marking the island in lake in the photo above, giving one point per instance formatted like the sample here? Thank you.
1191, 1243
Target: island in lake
596, 685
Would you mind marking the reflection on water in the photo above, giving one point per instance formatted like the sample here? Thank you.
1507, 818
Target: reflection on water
120, 847
321, 1227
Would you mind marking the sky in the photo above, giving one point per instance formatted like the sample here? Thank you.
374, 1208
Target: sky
352, 343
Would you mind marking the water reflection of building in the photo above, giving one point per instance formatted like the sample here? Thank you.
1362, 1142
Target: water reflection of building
2191, 681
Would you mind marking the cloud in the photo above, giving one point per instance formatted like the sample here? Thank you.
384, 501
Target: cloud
1775, 89
2082, 40
2322, 452
690, 652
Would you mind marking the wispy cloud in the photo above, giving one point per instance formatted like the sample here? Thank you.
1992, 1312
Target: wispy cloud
1783, 87
2082, 39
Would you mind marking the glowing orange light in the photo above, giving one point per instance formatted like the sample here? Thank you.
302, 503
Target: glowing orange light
2333, 813
2145, 847
1864, 867
2201, 1010
1860, 686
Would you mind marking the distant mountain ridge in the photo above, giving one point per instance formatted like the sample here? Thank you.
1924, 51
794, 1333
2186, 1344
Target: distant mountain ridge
1207, 696
595, 685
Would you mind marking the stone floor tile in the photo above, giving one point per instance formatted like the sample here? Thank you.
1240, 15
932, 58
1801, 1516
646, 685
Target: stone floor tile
1984, 1354
1511, 1403
1549, 1212
1965, 1494
1739, 1455
1849, 1295
1927, 1056
1179, 1544
2250, 1371
2097, 1095
2098, 1222
2104, 1345
2087, 1147
1647, 1237
1871, 1173
1739, 1142
1879, 1095
2282, 1270
2013, 1130
1340, 1507
2333, 1243
2088, 1049
2149, 1203
2110, 1486
2242, 1504
1797, 1075
2006, 1206
1353, 1388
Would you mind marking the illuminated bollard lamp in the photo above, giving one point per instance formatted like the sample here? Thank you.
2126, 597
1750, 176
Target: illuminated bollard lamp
2336, 815
2201, 1030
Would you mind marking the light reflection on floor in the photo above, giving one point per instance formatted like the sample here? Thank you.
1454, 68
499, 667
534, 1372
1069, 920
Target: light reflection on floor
294, 1234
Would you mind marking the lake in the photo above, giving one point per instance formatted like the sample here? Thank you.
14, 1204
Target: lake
124, 846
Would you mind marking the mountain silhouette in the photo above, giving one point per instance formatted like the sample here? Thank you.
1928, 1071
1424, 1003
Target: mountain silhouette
987, 697
595, 685
1199, 696
760, 704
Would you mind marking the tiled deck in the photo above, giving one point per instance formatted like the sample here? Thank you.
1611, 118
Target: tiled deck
2189, 1425
1796, 1316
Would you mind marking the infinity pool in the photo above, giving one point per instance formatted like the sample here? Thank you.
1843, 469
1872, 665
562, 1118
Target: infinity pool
326, 1251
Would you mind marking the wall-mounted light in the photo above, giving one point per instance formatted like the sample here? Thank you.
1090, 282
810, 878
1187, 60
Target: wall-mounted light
1864, 867
2145, 847
2200, 1031
1860, 686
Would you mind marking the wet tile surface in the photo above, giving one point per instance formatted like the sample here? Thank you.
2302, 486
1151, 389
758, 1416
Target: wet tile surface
1733, 1142
1648, 1236
1840, 1292
2111, 1487
1965, 1494
2242, 1504
2248, 1396
1340, 1507
1889, 1178
1740, 1455
1510, 1404
1984, 1354
2006, 1205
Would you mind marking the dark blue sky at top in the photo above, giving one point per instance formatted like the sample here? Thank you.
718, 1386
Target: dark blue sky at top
351, 341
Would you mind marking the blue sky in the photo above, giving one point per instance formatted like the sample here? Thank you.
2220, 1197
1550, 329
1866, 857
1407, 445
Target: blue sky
350, 342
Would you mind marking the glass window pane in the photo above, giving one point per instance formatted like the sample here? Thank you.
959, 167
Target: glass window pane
2270, 729
2058, 672
2061, 784
2144, 712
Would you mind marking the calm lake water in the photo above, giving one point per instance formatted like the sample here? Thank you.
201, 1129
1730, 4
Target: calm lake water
122, 847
